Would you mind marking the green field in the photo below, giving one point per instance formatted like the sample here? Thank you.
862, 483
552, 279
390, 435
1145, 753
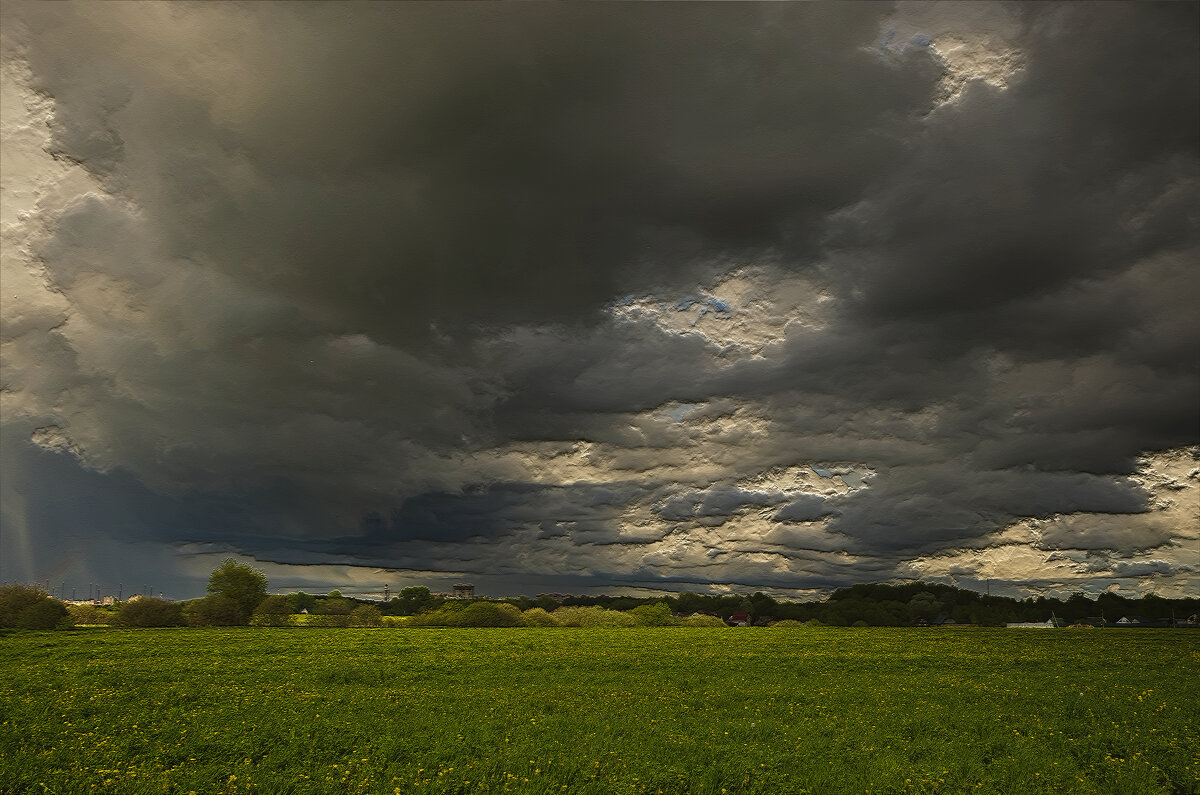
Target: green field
670, 710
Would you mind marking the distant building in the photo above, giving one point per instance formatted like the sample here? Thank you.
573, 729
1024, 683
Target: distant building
739, 619
465, 591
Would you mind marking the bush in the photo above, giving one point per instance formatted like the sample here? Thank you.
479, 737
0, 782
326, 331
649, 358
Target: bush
592, 617
149, 612
476, 614
655, 615
29, 607
329, 621
699, 620
538, 617
490, 614
272, 612
366, 616
448, 615
213, 611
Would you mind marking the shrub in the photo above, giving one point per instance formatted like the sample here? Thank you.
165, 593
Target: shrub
655, 615
592, 617
700, 620
448, 615
213, 611
490, 614
336, 620
272, 612
538, 617
149, 612
29, 607
366, 616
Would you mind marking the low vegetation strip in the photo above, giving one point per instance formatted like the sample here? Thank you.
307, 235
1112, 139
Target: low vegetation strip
633, 710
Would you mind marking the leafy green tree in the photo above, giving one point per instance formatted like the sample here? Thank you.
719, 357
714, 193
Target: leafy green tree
337, 606
272, 612
301, 601
411, 600
29, 607
762, 606
243, 585
149, 612
924, 605
687, 603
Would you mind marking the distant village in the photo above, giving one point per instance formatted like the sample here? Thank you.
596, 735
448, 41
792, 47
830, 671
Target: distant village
916, 604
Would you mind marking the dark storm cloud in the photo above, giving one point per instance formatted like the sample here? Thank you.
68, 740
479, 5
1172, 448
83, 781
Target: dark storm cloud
359, 261
388, 166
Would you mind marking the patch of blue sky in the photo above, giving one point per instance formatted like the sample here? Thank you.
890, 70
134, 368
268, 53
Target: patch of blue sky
825, 473
682, 410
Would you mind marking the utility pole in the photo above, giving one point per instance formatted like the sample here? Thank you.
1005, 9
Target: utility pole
120, 591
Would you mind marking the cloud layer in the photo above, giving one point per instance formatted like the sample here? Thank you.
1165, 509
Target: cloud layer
566, 297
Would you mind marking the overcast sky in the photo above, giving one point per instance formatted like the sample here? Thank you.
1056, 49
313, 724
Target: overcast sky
601, 297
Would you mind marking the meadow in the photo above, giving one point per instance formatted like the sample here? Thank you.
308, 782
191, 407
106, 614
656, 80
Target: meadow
591, 711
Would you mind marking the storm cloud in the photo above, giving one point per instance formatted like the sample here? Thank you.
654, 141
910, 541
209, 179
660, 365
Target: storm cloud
566, 297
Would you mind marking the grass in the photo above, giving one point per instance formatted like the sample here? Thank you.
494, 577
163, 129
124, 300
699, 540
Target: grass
599, 711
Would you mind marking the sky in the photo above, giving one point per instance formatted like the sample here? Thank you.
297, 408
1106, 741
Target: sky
601, 298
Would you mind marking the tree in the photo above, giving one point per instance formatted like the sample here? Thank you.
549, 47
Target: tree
29, 607
150, 612
687, 602
411, 600
337, 606
301, 601
241, 584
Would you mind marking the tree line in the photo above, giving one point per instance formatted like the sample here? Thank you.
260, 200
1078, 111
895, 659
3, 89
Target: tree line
237, 596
